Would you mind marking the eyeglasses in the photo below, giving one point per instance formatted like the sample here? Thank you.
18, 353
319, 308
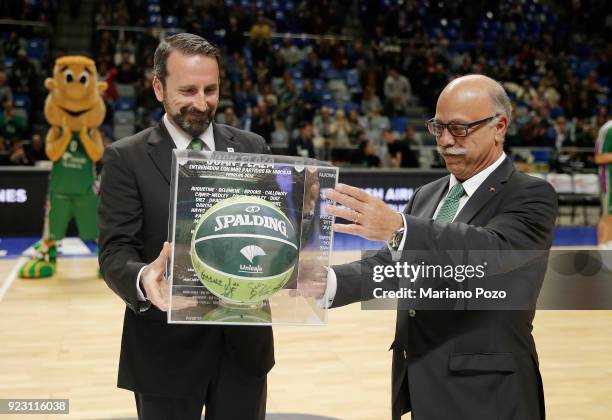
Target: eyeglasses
455, 129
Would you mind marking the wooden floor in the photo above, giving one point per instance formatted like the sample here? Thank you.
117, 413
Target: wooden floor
60, 338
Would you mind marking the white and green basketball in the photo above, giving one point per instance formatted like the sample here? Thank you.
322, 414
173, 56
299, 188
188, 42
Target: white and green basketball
244, 249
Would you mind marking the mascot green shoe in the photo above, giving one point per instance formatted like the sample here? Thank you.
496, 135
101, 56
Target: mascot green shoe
43, 264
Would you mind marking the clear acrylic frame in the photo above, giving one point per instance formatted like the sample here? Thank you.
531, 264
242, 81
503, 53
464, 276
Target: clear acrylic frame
251, 240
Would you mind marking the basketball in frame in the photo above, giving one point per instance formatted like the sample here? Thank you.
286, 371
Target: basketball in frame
244, 249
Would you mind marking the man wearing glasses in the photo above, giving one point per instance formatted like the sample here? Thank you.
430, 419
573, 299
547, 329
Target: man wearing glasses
464, 364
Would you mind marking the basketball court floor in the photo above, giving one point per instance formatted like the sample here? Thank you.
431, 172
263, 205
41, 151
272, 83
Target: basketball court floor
59, 338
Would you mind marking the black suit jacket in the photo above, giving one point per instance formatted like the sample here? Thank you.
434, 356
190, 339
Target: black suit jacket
156, 357
467, 364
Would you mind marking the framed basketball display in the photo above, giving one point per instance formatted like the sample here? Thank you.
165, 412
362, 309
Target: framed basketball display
249, 235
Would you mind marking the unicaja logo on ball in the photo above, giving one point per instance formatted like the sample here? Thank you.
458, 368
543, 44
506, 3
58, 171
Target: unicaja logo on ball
244, 249
252, 251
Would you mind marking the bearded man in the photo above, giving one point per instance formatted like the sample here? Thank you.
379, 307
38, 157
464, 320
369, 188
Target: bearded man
174, 370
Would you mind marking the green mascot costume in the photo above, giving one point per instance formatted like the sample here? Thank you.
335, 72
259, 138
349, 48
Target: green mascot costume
75, 109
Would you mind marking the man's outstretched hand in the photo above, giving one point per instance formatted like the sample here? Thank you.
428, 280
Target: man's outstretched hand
371, 218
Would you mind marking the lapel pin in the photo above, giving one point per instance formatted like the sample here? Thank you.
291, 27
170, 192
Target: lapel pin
230, 149
491, 189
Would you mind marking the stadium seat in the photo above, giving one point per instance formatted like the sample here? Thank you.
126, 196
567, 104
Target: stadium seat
126, 90
22, 101
325, 64
123, 130
352, 77
21, 112
399, 124
154, 20
125, 104
36, 49
124, 117
171, 22
542, 155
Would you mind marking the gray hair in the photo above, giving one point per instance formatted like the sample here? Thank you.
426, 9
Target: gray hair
501, 101
188, 44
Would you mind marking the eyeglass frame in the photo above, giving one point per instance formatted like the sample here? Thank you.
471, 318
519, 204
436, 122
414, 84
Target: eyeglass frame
464, 126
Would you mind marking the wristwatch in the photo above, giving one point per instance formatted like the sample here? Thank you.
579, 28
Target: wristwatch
396, 238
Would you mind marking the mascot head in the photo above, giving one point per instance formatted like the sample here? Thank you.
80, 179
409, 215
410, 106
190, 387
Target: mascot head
75, 94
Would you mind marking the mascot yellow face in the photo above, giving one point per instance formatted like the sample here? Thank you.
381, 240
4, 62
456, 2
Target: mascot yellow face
75, 94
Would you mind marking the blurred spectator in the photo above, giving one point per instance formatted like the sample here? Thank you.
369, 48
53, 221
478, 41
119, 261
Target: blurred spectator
245, 97
309, 101
234, 40
19, 156
228, 117
125, 52
278, 66
23, 75
288, 101
280, 135
584, 134
127, 73
146, 102
526, 93
13, 44
375, 123
261, 35
370, 158
370, 102
108, 75
562, 133
322, 131
355, 126
397, 93
312, 68
302, 144
400, 153
12, 126
289, 52
340, 131
262, 122
261, 29
6, 94
533, 133
37, 148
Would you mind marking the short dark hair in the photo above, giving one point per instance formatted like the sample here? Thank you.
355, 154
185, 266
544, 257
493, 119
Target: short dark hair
188, 44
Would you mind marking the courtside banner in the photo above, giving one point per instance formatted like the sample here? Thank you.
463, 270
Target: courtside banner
460, 280
248, 233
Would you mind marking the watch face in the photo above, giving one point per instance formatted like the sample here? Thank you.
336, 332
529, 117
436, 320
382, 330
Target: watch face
395, 239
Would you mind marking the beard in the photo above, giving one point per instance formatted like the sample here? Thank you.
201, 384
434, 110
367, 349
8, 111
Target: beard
191, 120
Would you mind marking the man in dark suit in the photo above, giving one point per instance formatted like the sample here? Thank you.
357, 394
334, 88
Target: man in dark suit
174, 370
472, 364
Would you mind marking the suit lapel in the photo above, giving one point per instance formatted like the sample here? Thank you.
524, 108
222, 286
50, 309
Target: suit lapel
491, 186
224, 140
160, 149
431, 197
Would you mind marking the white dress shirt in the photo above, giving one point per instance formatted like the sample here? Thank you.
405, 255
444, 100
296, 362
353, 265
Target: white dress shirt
181, 141
470, 186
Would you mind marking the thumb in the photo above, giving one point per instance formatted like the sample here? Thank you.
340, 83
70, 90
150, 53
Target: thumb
160, 262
